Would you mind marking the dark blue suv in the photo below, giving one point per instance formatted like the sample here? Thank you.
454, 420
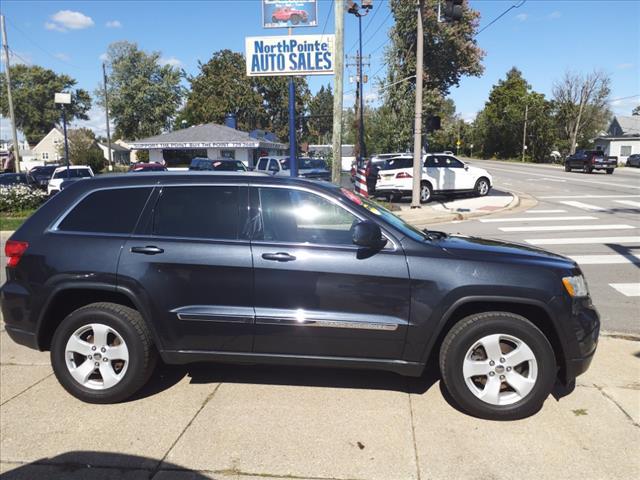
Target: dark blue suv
114, 271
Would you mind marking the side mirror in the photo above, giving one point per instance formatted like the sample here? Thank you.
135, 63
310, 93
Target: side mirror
368, 234
466, 167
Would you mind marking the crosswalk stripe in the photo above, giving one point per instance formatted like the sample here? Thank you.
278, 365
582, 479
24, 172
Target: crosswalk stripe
545, 211
584, 206
627, 289
534, 219
589, 196
559, 228
583, 240
605, 259
628, 202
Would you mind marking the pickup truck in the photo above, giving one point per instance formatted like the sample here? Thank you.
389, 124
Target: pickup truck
590, 160
311, 168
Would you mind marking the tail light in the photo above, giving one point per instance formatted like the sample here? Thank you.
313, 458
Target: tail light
593, 159
367, 170
14, 250
403, 175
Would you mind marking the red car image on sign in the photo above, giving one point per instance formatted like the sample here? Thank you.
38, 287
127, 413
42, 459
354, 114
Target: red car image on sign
288, 14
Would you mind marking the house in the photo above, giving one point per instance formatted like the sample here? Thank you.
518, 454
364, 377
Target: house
622, 138
347, 151
119, 155
133, 154
48, 149
210, 140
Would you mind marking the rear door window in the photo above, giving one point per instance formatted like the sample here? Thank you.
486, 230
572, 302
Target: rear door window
262, 164
107, 211
211, 212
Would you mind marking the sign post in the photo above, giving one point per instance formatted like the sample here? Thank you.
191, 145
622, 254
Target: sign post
64, 99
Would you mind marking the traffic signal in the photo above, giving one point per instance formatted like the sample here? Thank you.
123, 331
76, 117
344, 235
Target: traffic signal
453, 10
433, 123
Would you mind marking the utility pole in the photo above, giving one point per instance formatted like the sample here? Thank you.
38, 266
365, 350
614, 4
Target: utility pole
14, 132
293, 161
106, 111
361, 79
338, 90
524, 132
417, 134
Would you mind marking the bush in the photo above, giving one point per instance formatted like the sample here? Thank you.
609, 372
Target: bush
94, 159
16, 198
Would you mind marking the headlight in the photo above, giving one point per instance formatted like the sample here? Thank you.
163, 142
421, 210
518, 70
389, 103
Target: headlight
576, 286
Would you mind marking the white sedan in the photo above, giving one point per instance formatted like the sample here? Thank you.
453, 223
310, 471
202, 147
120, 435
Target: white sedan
76, 172
441, 174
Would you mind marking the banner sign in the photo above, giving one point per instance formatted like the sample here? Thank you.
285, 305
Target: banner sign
289, 55
289, 13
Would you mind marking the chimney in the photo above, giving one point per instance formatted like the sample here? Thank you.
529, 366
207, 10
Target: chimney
230, 120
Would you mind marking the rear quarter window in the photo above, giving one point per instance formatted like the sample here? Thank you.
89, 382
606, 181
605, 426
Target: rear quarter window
107, 211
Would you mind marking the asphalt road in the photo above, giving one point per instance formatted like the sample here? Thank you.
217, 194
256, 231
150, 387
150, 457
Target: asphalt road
594, 218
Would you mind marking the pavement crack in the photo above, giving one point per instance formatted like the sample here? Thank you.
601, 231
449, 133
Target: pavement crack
612, 400
26, 389
174, 443
413, 432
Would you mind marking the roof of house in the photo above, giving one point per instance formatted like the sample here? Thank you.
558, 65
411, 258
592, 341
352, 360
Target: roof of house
208, 134
629, 125
115, 147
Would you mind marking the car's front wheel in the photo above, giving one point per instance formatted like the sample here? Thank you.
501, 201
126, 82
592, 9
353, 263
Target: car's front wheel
567, 168
482, 187
425, 192
295, 19
497, 365
102, 353
610, 171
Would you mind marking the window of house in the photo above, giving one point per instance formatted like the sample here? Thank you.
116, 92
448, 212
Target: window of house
625, 150
296, 216
107, 211
198, 212
175, 158
45, 155
231, 154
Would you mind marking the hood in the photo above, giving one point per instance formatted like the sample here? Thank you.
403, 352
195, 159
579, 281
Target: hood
497, 250
478, 170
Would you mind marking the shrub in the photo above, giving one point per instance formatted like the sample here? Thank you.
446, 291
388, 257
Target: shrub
16, 198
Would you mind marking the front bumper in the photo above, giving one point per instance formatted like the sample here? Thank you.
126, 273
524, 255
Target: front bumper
585, 323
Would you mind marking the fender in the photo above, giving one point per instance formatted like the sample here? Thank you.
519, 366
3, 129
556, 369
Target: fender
437, 332
60, 288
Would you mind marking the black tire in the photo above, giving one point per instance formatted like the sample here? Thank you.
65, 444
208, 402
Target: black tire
567, 168
128, 323
482, 187
295, 19
426, 192
274, 19
470, 330
588, 169
609, 171
396, 197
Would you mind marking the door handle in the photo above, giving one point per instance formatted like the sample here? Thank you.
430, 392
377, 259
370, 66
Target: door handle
278, 257
148, 250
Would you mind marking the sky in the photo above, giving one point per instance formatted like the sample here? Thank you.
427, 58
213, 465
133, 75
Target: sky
541, 38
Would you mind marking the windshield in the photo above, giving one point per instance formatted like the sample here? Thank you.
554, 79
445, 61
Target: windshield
396, 163
228, 166
304, 163
73, 173
385, 215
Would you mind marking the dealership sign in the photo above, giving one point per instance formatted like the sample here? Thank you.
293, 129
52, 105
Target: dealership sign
289, 55
289, 13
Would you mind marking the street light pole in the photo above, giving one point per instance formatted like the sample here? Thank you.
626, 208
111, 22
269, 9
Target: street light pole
106, 111
14, 132
64, 99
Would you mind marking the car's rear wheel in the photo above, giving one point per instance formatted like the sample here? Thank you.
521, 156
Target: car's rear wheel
102, 353
610, 171
497, 365
588, 168
482, 187
295, 19
425, 192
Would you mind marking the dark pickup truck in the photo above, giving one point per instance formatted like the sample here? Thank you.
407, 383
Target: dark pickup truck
590, 160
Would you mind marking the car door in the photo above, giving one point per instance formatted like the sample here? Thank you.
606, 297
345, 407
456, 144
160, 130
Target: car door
434, 169
315, 292
274, 167
462, 178
190, 265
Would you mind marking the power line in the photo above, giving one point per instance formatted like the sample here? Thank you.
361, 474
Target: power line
15, 54
500, 16
624, 98
328, 15
374, 33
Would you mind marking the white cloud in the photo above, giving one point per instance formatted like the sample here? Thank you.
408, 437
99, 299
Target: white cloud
68, 20
171, 61
468, 117
103, 57
554, 15
522, 17
62, 56
97, 121
624, 66
113, 24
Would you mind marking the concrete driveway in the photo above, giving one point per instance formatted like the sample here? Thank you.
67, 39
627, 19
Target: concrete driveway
232, 422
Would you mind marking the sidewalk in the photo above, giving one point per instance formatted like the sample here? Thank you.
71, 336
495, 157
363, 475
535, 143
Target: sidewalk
446, 209
252, 422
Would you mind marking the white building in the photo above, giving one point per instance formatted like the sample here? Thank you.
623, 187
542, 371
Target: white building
48, 149
622, 138
120, 155
210, 140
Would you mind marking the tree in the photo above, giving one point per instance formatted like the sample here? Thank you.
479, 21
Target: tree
450, 53
636, 110
581, 106
321, 114
83, 149
144, 95
33, 90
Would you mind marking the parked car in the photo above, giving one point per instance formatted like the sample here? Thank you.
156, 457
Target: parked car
288, 14
60, 176
633, 160
8, 179
250, 268
372, 166
220, 165
40, 176
311, 168
147, 167
441, 174
590, 160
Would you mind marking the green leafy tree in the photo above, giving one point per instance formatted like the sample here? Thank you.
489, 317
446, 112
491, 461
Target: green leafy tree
321, 115
144, 95
636, 110
450, 53
33, 90
83, 149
